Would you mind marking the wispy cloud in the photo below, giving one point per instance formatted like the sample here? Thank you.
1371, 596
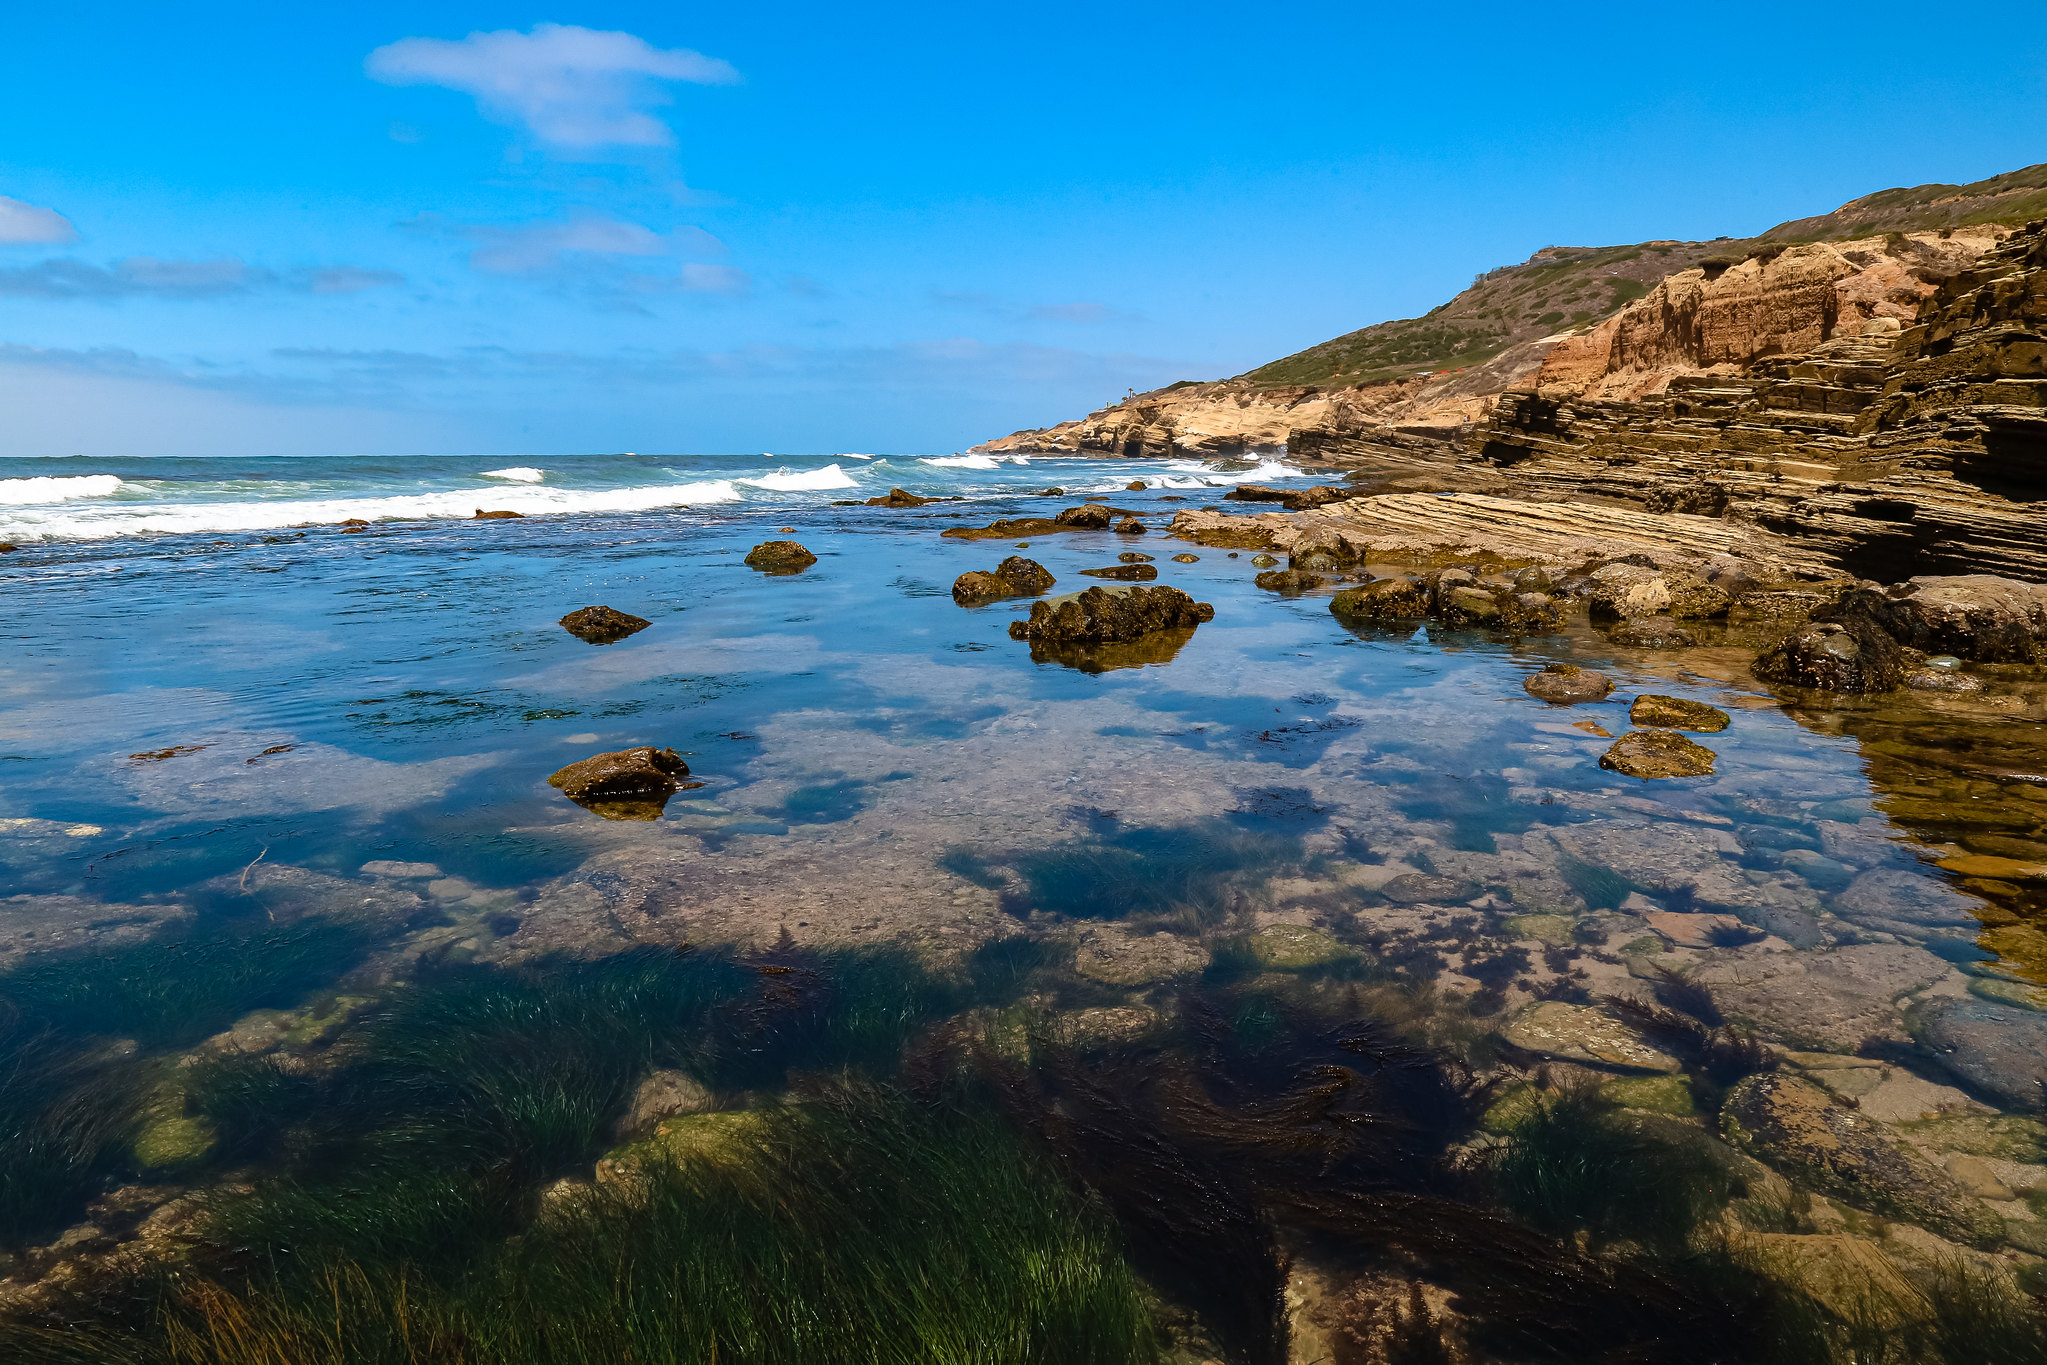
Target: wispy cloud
24, 224
569, 86
154, 277
994, 306
528, 248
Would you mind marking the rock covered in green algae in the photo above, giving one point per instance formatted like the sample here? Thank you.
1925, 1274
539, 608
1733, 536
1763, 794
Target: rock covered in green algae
1657, 753
1799, 1128
1566, 685
780, 556
1109, 615
602, 625
1013, 577
1833, 656
1677, 713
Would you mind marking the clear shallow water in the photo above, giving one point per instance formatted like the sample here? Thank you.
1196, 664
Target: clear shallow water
267, 718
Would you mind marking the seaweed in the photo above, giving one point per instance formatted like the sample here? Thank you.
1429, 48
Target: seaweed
1177, 874
68, 1115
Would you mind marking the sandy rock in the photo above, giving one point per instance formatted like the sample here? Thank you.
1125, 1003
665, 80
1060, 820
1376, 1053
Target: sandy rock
602, 625
780, 557
1677, 713
1130, 526
1106, 615
1579, 1033
1657, 753
1800, 1129
1113, 954
1567, 684
1834, 657
1999, 1050
1835, 1000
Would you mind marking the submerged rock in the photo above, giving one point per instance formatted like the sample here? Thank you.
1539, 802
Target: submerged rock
1838, 1000
1799, 1128
1999, 1050
1579, 1033
1289, 582
780, 557
1422, 888
1089, 516
663, 1095
1108, 615
629, 784
1567, 685
1651, 632
1186, 559
1124, 573
1657, 753
602, 625
1013, 577
1832, 656
1935, 679
1677, 713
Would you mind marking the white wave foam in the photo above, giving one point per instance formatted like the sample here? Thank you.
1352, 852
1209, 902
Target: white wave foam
788, 481
192, 518
28, 492
1264, 472
518, 473
853, 455
965, 462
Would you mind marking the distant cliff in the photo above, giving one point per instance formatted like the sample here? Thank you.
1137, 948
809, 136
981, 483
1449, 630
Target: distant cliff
1604, 321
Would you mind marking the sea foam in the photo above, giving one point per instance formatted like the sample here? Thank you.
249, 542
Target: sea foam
965, 462
790, 481
518, 473
28, 492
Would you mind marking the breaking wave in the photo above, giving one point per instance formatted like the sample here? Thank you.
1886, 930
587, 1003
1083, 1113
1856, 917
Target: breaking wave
518, 473
28, 492
789, 481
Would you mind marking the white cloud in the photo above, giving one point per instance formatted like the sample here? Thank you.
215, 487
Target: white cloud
571, 86
557, 245
28, 225
349, 279
715, 279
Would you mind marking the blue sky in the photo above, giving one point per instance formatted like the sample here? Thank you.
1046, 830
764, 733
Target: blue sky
375, 228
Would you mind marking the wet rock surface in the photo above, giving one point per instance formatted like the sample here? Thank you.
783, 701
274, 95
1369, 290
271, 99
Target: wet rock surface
1657, 753
1567, 685
900, 497
1980, 617
602, 625
780, 557
1013, 577
1677, 713
1123, 573
1857, 656
1997, 1050
624, 783
1108, 616
1292, 499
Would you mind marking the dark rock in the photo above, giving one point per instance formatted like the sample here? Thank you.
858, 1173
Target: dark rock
1263, 561
602, 625
1130, 526
1016, 528
1293, 499
630, 784
1657, 753
1651, 632
1051, 492
977, 586
1416, 888
1799, 1128
1973, 616
1699, 498
1104, 615
1089, 516
1289, 582
1676, 713
1999, 1050
1013, 577
482, 515
1134, 486
780, 557
898, 497
1567, 684
1384, 599
1134, 557
1935, 679
1832, 656
1327, 549
1124, 573
1186, 559
8, 547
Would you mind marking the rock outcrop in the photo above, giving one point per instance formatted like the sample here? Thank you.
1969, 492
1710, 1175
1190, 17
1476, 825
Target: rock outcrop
1013, 577
1567, 685
602, 625
629, 784
1109, 615
780, 557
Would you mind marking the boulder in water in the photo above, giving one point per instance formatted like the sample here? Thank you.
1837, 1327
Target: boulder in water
1124, 573
780, 557
899, 497
629, 784
1657, 753
1089, 516
1835, 656
1677, 713
1107, 615
1013, 577
482, 515
602, 625
1567, 685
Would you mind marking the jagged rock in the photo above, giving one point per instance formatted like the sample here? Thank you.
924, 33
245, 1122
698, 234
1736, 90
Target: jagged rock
1124, 573
1293, 499
602, 625
1134, 557
1651, 632
1566, 685
482, 515
1657, 753
1995, 1048
663, 1095
898, 497
1579, 1033
1629, 590
1973, 616
627, 777
1835, 657
1089, 516
1384, 599
1186, 559
1289, 582
1130, 526
1799, 1128
1108, 615
1699, 498
1677, 713
780, 557
1013, 577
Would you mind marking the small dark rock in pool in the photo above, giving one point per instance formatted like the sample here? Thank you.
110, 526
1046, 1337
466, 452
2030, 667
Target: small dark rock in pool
1134, 557
1186, 559
1263, 561
8, 547
1677, 713
602, 625
1834, 656
1289, 582
899, 497
630, 784
1124, 573
1657, 753
1651, 632
1172, 497
1130, 526
1013, 577
1566, 685
1100, 615
1051, 492
482, 515
780, 556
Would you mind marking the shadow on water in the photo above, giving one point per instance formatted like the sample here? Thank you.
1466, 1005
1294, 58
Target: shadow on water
1189, 875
